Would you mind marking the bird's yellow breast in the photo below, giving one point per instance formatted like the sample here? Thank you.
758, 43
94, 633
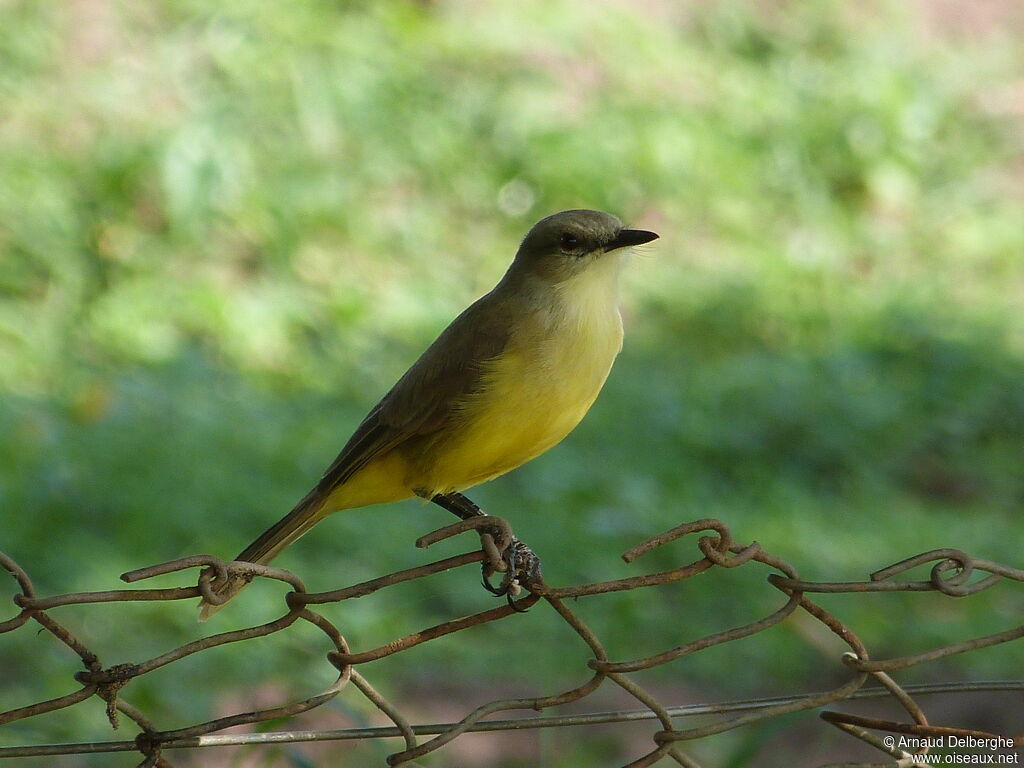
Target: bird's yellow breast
537, 391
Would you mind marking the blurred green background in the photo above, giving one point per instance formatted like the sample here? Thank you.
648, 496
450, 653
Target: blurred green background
225, 232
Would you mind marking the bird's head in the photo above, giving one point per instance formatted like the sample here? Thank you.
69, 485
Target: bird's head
565, 244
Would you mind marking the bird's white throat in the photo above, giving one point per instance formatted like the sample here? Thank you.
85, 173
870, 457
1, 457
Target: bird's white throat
592, 295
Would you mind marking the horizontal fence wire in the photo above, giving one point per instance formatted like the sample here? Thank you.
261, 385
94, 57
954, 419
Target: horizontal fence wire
953, 573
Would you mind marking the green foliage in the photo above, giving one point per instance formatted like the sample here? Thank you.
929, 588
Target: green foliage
224, 231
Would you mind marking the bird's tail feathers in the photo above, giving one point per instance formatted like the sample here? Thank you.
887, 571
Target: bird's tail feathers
266, 547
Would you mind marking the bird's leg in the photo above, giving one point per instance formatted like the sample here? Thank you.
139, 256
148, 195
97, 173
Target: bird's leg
523, 564
458, 505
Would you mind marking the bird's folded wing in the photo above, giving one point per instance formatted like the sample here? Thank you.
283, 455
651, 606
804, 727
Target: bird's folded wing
427, 397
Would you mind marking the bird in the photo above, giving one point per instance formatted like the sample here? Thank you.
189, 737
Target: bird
508, 379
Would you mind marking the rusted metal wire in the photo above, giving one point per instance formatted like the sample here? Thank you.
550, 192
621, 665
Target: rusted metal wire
954, 573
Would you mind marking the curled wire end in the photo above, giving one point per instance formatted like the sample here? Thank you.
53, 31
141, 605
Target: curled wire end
705, 524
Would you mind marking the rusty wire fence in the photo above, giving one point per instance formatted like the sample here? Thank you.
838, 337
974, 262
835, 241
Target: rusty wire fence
953, 573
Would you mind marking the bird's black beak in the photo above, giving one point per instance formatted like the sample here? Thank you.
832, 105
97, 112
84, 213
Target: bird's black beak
628, 237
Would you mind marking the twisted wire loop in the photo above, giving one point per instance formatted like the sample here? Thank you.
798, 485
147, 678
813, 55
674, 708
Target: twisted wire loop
954, 573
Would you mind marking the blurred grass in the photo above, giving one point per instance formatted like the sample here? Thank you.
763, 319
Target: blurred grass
225, 232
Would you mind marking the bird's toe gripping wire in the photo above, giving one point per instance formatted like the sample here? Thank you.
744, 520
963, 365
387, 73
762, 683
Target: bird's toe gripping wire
518, 563
522, 570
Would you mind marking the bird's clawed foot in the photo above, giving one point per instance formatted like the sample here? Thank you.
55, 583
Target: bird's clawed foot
522, 570
521, 566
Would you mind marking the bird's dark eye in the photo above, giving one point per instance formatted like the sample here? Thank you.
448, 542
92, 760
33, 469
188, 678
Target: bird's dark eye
569, 242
